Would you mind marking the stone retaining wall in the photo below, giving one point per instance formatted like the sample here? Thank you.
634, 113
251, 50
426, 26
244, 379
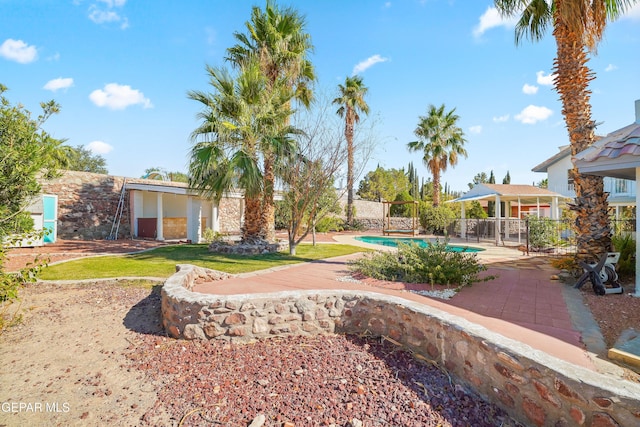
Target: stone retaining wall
530, 385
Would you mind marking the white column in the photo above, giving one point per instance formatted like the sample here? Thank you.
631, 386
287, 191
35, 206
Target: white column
507, 217
160, 215
498, 218
538, 206
554, 208
463, 221
618, 211
215, 216
519, 220
194, 219
637, 293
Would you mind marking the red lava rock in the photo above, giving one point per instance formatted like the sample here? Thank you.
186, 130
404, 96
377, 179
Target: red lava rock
260, 378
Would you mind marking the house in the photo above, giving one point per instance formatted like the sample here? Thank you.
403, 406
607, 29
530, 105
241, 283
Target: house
95, 206
617, 155
621, 191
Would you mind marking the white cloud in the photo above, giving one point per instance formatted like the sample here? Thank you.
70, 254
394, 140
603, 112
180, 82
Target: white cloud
59, 83
101, 16
368, 63
490, 19
633, 13
106, 13
118, 97
475, 129
528, 89
545, 80
501, 119
533, 114
611, 67
19, 51
99, 147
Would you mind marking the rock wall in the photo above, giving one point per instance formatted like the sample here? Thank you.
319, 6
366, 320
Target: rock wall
87, 204
531, 386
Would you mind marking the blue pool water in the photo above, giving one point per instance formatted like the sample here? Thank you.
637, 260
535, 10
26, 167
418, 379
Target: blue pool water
393, 241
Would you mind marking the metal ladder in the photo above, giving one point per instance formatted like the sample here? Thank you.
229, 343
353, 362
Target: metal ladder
115, 227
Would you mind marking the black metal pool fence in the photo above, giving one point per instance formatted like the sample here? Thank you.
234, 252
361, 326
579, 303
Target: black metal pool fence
533, 235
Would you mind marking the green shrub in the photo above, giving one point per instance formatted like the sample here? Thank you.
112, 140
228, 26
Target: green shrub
210, 236
402, 210
433, 264
435, 220
329, 223
543, 233
626, 245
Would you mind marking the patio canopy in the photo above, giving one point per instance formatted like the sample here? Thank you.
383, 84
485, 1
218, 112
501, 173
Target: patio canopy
520, 194
524, 194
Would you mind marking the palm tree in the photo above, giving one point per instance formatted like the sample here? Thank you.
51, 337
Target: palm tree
578, 27
277, 40
238, 120
351, 101
441, 141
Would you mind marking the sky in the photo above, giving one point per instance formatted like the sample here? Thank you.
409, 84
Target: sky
121, 70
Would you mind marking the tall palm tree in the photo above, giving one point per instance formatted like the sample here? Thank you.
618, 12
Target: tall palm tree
578, 27
441, 141
277, 40
351, 101
238, 120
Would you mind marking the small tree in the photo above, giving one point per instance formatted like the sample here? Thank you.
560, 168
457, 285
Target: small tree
82, 159
308, 176
26, 153
405, 210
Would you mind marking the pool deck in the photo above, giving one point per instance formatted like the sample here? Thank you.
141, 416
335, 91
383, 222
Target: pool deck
522, 303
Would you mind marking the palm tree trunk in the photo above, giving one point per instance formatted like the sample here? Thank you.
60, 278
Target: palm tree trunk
436, 187
591, 206
252, 219
348, 133
268, 211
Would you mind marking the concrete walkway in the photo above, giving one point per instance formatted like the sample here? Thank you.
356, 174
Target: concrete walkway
522, 303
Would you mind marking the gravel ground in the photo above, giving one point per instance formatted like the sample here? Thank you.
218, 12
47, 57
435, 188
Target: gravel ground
319, 381
98, 351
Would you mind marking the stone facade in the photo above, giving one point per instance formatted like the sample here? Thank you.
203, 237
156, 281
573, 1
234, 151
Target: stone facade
531, 386
87, 204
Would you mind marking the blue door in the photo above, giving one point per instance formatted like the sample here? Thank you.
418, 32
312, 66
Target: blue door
50, 217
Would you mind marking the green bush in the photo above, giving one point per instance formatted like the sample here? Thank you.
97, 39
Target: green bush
329, 223
412, 263
210, 236
402, 210
543, 233
435, 220
626, 245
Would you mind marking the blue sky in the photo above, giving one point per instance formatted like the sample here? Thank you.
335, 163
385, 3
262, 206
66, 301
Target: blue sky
120, 69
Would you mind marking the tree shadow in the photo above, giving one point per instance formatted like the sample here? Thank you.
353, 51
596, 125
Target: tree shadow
145, 317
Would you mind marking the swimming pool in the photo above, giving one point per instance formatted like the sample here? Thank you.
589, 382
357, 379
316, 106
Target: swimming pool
393, 242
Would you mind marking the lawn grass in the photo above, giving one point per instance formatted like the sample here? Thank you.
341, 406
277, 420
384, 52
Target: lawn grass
161, 262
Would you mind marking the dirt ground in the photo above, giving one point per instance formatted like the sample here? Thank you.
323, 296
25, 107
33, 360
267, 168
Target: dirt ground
69, 361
